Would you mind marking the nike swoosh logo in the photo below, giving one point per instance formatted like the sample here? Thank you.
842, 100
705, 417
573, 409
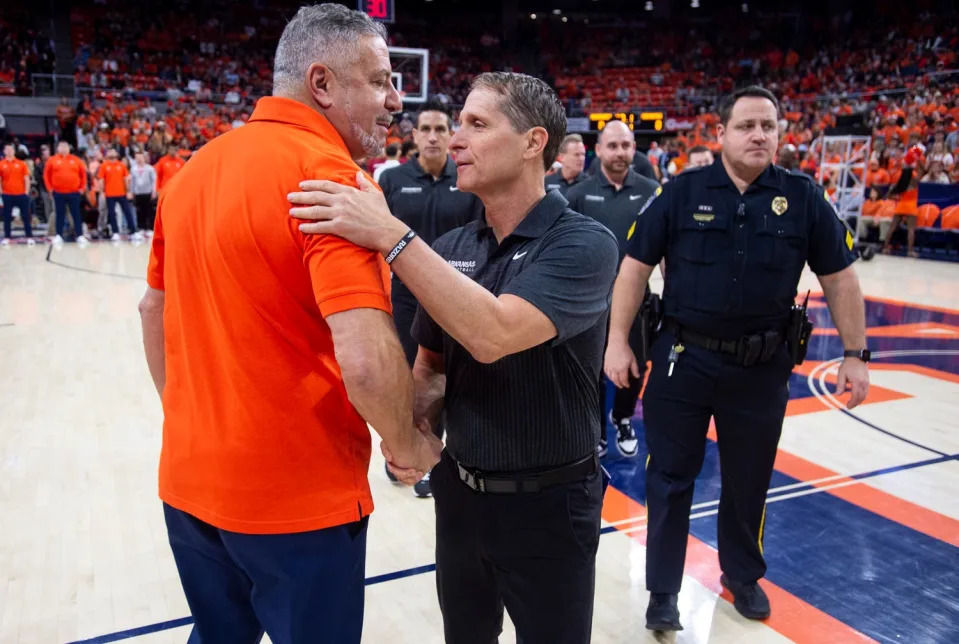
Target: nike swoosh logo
635, 197
453, 188
518, 255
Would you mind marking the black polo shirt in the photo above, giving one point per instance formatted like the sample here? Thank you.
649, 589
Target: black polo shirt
616, 209
641, 164
431, 207
556, 181
535, 408
733, 260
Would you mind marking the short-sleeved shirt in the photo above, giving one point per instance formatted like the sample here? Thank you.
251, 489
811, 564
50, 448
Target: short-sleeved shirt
113, 174
557, 181
65, 174
431, 207
733, 261
166, 168
259, 435
535, 408
616, 209
13, 176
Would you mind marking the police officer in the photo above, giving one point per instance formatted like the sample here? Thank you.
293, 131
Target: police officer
735, 236
511, 326
422, 193
613, 197
572, 156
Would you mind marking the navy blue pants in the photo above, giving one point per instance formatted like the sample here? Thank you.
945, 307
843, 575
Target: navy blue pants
74, 200
16, 201
301, 587
749, 404
127, 214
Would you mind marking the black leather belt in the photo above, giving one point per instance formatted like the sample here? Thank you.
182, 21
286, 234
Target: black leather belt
506, 483
749, 349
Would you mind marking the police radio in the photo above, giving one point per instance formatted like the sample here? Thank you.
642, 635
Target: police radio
799, 331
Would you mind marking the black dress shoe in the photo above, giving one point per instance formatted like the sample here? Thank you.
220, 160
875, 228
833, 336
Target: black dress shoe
662, 614
749, 599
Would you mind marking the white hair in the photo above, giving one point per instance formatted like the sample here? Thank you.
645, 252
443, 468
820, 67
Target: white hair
325, 33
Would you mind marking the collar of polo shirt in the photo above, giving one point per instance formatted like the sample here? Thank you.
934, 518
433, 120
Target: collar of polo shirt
448, 170
537, 221
628, 181
718, 176
285, 110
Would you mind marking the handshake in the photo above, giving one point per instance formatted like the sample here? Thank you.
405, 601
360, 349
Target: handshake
409, 463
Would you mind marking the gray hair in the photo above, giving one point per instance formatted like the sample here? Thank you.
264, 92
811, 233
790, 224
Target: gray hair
528, 102
319, 33
570, 139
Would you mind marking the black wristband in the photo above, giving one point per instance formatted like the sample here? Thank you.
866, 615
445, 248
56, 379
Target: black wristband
400, 245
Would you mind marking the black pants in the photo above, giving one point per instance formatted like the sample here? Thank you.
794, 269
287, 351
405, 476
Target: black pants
624, 400
533, 553
749, 404
146, 211
404, 310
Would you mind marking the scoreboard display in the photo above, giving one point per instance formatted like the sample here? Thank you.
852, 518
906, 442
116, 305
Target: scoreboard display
637, 121
379, 10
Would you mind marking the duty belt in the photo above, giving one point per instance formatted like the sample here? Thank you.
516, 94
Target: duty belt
749, 349
507, 483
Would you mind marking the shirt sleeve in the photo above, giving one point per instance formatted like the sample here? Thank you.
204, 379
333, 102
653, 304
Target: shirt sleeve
157, 249
344, 276
830, 239
570, 279
426, 331
650, 238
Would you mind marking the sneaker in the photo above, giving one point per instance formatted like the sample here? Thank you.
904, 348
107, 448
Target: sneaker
148, 233
82, 240
749, 599
626, 437
115, 237
422, 487
662, 613
137, 237
31, 241
57, 240
4, 242
389, 474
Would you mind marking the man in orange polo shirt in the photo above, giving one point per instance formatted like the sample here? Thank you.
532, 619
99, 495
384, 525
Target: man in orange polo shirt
167, 166
272, 349
14, 188
116, 189
65, 177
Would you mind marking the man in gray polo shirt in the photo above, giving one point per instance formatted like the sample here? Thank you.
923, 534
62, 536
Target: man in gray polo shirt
511, 327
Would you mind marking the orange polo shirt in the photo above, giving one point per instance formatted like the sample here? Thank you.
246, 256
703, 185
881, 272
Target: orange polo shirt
166, 168
13, 176
259, 435
65, 174
113, 174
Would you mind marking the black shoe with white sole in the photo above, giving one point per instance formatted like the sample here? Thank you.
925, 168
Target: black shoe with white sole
626, 437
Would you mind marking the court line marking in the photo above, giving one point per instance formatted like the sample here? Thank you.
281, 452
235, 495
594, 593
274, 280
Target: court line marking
816, 380
7, 324
90, 270
612, 527
815, 486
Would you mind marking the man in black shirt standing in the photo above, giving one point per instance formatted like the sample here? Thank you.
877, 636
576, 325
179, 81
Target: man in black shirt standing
511, 327
422, 193
572, 156
612, 197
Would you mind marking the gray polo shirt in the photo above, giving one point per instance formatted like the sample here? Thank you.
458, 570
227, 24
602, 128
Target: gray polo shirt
536, 408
